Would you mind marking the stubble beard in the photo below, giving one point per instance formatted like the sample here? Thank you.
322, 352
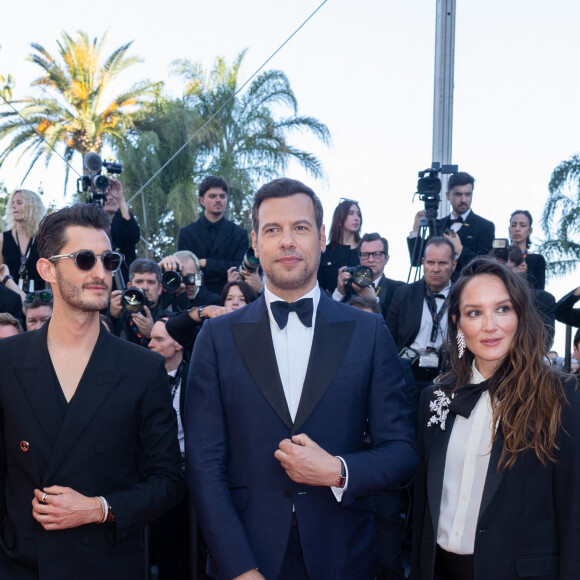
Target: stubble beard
73, 298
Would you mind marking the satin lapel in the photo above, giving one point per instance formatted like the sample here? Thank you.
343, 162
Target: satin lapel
494, 477
254, 341
98, 380
329, 347
436, 466
34, 376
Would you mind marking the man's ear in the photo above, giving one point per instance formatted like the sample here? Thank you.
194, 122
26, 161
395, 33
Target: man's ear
255, 244
322, 238
202, 202
47, 270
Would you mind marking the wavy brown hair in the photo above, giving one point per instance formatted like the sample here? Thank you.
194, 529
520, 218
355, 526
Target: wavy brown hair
529, 396
338, 219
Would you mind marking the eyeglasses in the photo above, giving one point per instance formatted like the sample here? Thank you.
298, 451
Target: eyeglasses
85, 260
44, 296
375, 255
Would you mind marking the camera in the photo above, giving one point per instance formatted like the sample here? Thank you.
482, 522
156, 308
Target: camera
360, 275
93, 180
429, 187
133, 299
500, 249
171, 280
250, 263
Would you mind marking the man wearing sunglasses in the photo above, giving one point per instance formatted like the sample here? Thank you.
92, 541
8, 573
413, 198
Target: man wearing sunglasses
37, 309
88, 442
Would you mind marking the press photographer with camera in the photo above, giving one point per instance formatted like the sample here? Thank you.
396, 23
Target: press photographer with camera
417, 316
135, 310
182, 282
373, 253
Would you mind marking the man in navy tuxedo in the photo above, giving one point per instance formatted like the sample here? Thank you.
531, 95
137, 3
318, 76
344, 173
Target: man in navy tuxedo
278, 398
470, 234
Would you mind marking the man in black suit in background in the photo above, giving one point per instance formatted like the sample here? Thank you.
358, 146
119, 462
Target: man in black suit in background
218, 243
470, 234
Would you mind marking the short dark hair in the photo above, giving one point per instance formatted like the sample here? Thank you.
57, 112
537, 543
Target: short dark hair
144, 266
212, 181
373, 237
285, 187
364, 303
247, 291
515, 255
460, 178
51, 233
439, 241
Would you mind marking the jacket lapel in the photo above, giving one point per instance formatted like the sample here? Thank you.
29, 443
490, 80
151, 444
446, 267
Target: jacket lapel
98, 380
332, 337
254, 341
494, 477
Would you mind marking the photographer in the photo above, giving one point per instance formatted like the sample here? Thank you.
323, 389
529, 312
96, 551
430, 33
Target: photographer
135, 324
373, 252
125, 230
417, 316
191, 290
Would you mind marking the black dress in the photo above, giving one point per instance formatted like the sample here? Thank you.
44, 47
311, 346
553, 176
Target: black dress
335, 257
536, 273
12, 258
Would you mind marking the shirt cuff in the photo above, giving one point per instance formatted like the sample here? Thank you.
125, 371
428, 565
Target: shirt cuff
336, 295
338, 491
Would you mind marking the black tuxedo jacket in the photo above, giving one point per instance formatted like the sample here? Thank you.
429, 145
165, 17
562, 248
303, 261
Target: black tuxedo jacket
528, 520
405, 312
476, 236
118, 439
227, 250
236, 416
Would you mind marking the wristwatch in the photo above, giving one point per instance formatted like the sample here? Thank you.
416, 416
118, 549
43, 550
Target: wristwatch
200, 312
341, 479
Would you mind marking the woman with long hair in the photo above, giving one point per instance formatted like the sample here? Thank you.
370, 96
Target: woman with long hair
497, 490
18, 251
520, 229
341, 250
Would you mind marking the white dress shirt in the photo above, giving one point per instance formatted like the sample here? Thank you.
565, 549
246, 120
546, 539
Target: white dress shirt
423, 338
466, 466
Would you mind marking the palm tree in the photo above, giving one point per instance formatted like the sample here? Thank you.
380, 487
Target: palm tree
247, 140
561, 217
76, 110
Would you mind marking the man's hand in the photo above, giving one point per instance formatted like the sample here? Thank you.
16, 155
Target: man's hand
341, 280
115, 190
170, 263
202, 262
115, 306
306, 462
64, 508
366, 292
454, 239
253, 279
234, 275
10, 284
211, 311
250, 575
143, 321
418, 217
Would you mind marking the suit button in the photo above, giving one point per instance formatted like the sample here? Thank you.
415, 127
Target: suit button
24, 446
98, 448
287, 493
86, 540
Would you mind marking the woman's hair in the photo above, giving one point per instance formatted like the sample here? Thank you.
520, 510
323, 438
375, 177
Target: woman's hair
34, 210
529, 397
529, 216
338, 218
247, 291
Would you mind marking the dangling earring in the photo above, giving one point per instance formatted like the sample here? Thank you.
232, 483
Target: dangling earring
460, 343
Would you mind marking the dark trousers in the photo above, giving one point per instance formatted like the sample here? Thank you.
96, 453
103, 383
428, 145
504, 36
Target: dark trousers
293, 567
449, 566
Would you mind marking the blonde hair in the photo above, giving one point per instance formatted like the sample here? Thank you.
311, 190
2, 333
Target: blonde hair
34, 211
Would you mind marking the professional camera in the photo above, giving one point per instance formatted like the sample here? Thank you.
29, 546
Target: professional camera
133, 299
360, 275
429, 187
250, 263
171, 280
500, 249
93, 180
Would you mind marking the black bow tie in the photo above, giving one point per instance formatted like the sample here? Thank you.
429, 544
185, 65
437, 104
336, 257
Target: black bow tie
466, 398
457, 220
303, 308
442, 296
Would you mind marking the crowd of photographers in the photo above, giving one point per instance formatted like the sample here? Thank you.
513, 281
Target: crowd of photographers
162, 305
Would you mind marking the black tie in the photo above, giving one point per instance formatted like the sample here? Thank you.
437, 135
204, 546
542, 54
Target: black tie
466, 398
303, 309
458, 220
442, 296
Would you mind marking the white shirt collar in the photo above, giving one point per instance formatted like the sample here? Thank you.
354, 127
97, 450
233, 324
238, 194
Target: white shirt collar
463, 215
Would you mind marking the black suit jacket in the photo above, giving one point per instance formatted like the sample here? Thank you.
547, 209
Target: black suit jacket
565, 311
405, 312
476, 236
227, 250
528, 519
118, 439
11, 302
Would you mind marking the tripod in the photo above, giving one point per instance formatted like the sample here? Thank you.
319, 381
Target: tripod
427, 229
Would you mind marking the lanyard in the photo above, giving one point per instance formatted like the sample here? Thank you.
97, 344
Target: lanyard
436, 316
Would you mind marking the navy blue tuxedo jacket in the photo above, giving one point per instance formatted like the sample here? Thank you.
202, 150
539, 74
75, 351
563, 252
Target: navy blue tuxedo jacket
236, 416
528, 525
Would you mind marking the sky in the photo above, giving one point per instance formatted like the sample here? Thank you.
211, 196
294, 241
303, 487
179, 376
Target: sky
365, 69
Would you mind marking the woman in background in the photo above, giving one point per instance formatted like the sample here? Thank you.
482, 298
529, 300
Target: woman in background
499, 440
342, 246
237, 294
520, 230
18, 245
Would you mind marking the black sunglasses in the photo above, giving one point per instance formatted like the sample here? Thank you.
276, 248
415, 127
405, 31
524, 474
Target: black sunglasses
85, 260
44, 296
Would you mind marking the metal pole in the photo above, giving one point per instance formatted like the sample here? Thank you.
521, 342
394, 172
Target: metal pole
443, 91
